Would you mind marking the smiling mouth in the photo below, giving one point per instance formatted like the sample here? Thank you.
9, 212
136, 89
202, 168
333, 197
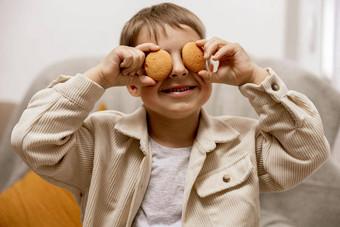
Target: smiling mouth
179, 89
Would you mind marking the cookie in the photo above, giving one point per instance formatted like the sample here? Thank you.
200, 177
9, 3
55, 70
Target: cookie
192, 56
158, 65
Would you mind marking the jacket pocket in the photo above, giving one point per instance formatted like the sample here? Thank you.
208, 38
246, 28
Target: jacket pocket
224, 178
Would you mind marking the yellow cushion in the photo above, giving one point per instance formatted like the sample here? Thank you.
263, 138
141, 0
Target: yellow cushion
34, 202
102, 107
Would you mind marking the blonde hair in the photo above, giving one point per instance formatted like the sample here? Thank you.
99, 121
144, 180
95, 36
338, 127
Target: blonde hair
157, 16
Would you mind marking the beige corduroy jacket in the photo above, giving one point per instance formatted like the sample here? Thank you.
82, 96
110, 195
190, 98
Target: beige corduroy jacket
104, 159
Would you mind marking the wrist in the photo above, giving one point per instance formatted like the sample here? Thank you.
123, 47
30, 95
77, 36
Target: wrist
259, 74
95, 75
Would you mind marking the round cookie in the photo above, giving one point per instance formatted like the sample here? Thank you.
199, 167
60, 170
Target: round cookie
158, 65
193, 57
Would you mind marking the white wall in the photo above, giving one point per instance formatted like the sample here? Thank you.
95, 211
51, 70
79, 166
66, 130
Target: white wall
37, 33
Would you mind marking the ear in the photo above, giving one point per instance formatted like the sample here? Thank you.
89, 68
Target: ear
133, 90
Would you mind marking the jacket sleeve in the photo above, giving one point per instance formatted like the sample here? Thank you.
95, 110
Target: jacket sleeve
52, 136
290, 142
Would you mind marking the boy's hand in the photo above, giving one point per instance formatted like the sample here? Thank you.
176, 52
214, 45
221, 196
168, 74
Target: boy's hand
235, 66
123, 66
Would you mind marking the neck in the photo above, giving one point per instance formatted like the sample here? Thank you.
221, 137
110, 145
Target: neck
171, 132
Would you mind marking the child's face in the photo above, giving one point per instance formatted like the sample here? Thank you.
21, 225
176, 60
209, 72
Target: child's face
182, 93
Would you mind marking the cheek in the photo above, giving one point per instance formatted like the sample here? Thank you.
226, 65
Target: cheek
148, 94
206, 92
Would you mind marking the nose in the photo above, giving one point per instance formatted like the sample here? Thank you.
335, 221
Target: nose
178, 68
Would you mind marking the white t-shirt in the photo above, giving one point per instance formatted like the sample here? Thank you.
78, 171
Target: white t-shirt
162, 203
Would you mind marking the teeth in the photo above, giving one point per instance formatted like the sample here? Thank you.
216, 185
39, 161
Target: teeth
179, 90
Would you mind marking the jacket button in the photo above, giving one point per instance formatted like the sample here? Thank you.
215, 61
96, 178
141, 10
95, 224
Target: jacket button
275, 87
226, 178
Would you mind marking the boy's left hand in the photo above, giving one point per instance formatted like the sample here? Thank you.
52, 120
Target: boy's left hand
235, 66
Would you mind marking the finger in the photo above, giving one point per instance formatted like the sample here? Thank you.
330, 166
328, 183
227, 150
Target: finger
132, 62
201, 42
137, 63
207, 48
212, 46
140, 62
126, 59
226, 51
148, 47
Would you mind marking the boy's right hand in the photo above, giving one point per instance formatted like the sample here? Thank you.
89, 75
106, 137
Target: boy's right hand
123, 66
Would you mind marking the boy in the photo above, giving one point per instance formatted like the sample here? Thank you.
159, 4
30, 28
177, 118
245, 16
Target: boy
170, 163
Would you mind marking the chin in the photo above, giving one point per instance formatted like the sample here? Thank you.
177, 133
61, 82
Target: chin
176, 112
181, 113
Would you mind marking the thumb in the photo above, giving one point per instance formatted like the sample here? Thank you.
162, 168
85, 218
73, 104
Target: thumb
207, 76
144, 80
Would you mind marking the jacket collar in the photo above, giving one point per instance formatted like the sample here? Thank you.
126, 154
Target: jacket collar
212, 130
135, 125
